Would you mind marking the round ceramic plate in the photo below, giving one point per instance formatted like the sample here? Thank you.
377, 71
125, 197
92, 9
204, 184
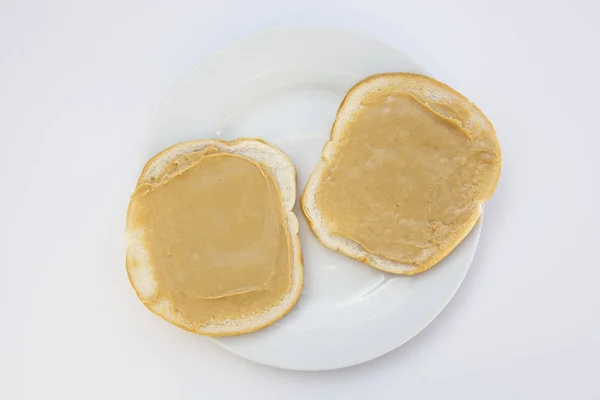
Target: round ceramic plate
285, 86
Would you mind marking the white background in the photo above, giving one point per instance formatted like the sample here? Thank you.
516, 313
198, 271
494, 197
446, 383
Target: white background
79, 85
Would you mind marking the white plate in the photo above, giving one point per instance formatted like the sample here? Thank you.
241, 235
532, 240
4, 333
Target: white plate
285, 85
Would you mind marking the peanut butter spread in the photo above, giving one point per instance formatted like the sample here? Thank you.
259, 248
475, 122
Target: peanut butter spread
216, 233
407, 178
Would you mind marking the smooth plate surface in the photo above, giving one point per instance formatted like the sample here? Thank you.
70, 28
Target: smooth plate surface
285, 86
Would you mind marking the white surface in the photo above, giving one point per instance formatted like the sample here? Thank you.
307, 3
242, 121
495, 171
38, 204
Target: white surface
285, 85
79, 84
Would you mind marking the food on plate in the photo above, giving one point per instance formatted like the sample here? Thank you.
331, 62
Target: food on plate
405, 173
212, 240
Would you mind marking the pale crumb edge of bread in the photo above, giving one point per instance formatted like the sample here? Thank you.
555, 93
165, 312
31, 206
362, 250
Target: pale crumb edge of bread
422, 87
139, 268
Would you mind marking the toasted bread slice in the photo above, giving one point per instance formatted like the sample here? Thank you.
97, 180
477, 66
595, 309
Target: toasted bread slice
460, 128
142, 272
